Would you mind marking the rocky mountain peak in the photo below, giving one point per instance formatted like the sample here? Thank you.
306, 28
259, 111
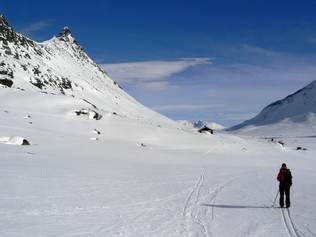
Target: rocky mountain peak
65, 35
6, 30
7, 33
65, 32
3, 22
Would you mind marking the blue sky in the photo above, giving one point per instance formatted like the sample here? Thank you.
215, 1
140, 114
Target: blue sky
219, 61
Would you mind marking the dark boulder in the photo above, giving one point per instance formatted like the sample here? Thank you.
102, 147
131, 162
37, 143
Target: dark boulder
6, 82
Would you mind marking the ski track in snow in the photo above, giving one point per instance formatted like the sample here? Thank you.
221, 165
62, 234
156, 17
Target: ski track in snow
199, 215
310, 232
123, 223
289, 224
190, 210
193, 212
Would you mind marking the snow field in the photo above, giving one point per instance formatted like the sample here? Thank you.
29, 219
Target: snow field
180, 184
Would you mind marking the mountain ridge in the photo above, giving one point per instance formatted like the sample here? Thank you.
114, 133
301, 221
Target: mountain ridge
60, 66
297, 107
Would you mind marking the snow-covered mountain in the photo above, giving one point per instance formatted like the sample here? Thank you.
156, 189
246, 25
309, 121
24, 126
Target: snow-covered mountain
297, 110
60, 67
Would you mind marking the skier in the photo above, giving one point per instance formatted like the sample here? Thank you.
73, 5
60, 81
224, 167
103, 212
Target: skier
285, 179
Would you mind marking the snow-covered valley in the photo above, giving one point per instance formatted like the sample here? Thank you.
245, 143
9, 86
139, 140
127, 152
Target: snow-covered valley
80, 157
137, 178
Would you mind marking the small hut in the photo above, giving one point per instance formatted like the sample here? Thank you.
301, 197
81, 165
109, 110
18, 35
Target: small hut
206, 129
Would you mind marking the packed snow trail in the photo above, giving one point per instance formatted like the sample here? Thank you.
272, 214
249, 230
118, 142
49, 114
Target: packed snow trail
288, 223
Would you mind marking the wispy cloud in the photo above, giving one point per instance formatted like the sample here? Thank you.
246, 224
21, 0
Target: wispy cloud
150, 75
35, 27
226, 91
311, 40
153, 85
186, 107
239, 117
259, 50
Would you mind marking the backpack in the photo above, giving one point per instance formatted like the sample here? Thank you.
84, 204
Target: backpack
285, 176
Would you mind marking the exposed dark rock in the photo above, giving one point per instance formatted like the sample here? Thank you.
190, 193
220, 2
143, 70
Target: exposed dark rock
36, 71
281, 143
66, 83
6, 82
38, 83
64, 33
27, 56
299, 148
25, 142
89, 113
21, 89
8, 51
5, 70
96, 131
7, 35
3, 21
206, 129
90, 103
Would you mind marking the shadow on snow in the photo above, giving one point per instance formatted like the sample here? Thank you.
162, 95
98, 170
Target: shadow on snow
233, 206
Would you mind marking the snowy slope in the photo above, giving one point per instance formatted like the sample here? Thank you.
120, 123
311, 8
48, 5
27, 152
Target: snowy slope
91, 172
285, 116
60, 67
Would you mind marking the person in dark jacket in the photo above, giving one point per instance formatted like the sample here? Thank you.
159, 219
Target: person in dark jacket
285, 179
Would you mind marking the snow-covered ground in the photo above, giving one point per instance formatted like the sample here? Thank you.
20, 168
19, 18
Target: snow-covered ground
141, 178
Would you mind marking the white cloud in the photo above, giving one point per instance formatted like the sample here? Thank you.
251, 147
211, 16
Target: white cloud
240, 117
154, 85
228, 91
148, 71
311, 40
35, 26
259, 50
186, 107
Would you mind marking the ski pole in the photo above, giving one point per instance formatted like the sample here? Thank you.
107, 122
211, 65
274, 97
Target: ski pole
276, 196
